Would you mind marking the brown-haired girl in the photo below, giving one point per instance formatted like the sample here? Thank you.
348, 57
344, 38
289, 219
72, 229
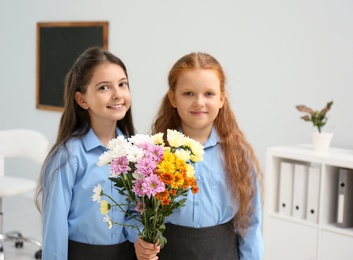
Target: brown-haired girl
97, 109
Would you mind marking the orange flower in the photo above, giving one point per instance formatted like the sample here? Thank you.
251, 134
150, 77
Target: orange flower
166, 177
173, 192
163, 197
194, 189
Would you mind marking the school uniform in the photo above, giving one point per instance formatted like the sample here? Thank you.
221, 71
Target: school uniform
202, 229
73, 227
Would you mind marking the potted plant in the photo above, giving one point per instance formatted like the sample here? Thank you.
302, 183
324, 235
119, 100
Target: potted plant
321, 140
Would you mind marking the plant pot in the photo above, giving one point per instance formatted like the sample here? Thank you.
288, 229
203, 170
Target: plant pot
321, 141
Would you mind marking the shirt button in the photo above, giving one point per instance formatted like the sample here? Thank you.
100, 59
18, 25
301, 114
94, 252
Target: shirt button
197, 226
197, 202
116, 231
198, 178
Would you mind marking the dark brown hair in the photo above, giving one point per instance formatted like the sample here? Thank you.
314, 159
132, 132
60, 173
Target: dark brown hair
75, 121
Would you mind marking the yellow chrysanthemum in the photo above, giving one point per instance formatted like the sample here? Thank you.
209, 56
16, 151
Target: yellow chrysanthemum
178, 180
190, 171
105, 207
165, 166
169, 157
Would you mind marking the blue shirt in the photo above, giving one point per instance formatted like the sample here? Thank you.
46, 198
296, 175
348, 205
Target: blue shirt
213, 205
69, 212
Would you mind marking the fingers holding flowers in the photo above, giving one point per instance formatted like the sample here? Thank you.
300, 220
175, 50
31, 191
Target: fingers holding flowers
145, 250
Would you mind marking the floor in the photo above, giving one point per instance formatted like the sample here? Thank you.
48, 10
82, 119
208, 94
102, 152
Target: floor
20, 214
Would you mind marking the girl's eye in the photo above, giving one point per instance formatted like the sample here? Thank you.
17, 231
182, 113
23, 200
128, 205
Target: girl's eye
209, 94
104, 87
188, 94
123, 84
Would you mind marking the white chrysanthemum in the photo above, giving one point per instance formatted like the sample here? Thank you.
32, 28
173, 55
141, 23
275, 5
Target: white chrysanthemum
140, 139
97, 193
105, 158
166, 149
175, 138
134, 154
158, 139
118, 147
196, 148
121, 150
182, 154
108, 220
138, 176
190, 171
116, 142
195, 158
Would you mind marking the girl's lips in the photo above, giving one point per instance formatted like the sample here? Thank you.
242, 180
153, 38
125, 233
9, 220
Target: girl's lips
115, 106
198, 113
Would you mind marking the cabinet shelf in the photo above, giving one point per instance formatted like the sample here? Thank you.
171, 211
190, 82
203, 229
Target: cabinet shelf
286, 235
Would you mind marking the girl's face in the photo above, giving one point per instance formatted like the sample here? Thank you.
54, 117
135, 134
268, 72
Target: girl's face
107, 98
198, 99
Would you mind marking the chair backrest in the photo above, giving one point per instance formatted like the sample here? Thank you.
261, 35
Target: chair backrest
24, 143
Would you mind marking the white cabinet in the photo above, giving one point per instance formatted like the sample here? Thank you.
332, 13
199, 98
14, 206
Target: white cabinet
289, 237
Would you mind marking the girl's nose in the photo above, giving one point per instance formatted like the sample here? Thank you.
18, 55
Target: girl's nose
198, 101
116, 93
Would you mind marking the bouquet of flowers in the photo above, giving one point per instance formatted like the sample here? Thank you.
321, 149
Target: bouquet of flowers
152, 176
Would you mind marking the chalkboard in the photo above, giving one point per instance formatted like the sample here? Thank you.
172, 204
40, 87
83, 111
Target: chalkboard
58, 46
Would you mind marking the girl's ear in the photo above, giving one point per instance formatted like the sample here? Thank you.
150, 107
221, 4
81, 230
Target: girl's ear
171, 96
81, 101
223, 99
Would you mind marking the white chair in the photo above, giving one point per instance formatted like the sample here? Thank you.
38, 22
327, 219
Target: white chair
25, 144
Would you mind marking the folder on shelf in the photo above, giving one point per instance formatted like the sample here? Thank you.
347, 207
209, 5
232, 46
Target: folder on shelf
300, 190
312, 209
286, 188
345, 198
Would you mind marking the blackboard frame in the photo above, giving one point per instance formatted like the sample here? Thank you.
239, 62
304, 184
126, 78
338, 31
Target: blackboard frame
58, 46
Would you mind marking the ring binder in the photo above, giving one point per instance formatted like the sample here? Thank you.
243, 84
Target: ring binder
312, 210
300, 190
286, 188
345, 198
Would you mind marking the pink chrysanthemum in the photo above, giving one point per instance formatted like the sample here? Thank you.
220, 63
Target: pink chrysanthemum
137, 188
146, 166
152, 185
141, 207
155, 152
120, 165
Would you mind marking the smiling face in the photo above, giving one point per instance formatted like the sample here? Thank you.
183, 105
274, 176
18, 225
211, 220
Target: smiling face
107, 98
198, 99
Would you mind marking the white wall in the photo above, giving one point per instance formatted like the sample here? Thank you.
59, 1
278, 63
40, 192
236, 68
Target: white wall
277, 54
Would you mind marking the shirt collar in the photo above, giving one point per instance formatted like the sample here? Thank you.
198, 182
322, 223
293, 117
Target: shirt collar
91, 141
213, 139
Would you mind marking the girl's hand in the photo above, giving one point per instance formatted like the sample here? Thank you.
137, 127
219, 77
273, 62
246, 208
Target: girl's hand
145, 250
